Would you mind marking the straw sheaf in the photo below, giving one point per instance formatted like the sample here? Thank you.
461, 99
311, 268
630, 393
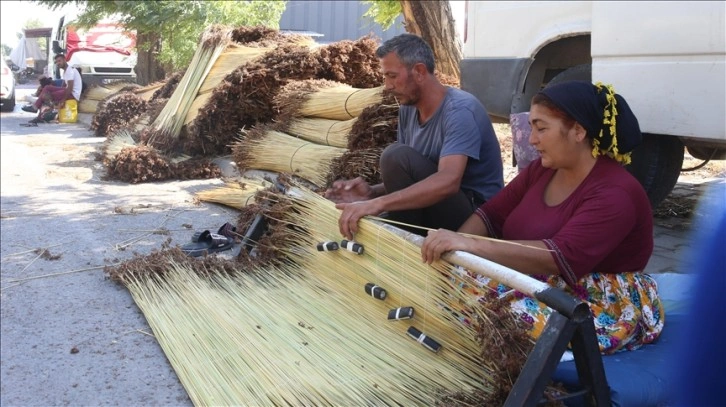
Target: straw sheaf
101, 92
304, 331
364, 163
326, 100
270, 150
265, 37
148, 91
167, 127
145, 164
117, 112
244, 98
116, 142
377, 126
321, 131
168, 86
289, 100
234, 194
351, 62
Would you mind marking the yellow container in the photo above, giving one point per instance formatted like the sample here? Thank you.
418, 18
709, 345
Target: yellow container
69, 113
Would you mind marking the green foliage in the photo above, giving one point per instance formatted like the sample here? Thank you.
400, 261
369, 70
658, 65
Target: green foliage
6, 49
179, 24
384, 12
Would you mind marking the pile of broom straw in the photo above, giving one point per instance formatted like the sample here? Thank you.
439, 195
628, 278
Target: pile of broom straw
308, 324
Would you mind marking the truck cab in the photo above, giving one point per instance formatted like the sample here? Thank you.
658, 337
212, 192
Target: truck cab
668, 59
103, 53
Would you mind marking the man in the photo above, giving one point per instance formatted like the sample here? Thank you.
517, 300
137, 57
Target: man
446, 161
57, 95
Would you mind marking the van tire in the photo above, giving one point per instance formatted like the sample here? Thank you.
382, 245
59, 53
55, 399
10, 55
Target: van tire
576, 73
656, 164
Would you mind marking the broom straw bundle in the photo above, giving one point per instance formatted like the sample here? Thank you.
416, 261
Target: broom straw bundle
341, 102
167, 126
307, 333
275, 151
321, 131
234, 194
234, 56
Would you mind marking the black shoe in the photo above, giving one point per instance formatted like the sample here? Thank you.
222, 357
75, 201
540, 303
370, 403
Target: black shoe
29, 109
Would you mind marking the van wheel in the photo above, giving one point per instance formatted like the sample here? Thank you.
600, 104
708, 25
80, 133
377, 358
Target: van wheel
656, 163
576, 73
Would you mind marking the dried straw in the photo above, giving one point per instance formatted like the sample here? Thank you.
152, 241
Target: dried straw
321, 131
307, 333
325, 99
271, 150
166, 128
234, 194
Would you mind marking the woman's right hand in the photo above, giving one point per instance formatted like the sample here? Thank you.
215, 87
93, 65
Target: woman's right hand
440, 241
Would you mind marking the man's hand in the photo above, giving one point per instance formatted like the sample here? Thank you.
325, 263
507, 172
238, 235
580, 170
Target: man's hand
441, 241
349, 191
352, 212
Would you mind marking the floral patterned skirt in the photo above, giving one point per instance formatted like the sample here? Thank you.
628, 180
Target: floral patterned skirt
626, 309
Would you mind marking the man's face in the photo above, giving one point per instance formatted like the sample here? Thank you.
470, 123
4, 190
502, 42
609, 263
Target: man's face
61, 62
398, 79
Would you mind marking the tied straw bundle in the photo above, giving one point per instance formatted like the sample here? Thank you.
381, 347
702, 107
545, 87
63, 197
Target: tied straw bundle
306, 332
166, 128
234, 194
270, 150
321, 131
325, 99
233, 56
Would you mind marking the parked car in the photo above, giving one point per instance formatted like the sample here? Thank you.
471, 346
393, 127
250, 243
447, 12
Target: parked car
7, 87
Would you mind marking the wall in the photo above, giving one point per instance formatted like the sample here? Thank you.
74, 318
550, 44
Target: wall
336, 20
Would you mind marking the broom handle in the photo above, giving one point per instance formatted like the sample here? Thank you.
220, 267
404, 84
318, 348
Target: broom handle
553, 297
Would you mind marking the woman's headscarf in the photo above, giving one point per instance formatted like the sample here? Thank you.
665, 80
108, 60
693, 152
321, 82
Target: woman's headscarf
605, 115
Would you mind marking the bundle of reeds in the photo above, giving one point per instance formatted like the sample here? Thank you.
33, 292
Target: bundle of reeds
307, 331
363, 163
142, 163
232, 57
117, 112
376, 127
237, 194
327, 100
148, 91
166, 128
271, 150
92, 99
321, 131
244, 98
168, 86
351, 62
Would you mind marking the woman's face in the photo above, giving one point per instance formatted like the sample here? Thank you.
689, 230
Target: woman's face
556, 143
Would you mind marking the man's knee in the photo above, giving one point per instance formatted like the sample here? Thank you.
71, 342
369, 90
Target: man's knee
397, 157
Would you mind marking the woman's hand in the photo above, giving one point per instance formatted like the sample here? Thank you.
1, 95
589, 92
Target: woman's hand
441, 241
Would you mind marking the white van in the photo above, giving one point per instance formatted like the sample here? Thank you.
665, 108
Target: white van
103, 53
668, 59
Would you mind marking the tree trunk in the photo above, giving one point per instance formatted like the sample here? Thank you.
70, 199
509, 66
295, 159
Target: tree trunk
148, 69
433, 21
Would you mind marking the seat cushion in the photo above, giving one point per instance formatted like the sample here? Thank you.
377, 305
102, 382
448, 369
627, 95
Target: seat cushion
636, 378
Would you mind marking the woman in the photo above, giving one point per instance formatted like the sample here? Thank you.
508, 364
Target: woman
581, 221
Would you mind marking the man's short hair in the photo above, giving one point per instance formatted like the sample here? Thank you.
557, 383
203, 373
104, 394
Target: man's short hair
412, 50
59, 56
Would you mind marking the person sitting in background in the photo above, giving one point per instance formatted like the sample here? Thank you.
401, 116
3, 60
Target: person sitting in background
43, 82
447, 159
574, 217
57, 95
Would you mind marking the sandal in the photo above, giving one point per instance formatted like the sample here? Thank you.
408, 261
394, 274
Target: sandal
207, 243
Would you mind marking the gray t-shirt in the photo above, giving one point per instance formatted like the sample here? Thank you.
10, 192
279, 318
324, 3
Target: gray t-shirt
459, 126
